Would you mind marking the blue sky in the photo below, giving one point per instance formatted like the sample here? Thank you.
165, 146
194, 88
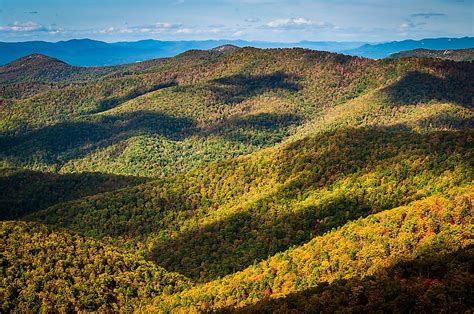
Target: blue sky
267, 20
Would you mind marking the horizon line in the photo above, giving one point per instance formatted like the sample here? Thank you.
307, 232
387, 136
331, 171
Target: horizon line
233, 40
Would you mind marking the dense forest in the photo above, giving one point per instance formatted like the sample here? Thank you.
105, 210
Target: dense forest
237, 179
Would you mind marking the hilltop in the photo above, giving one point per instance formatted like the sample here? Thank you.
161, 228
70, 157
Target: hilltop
40, 68
225, 48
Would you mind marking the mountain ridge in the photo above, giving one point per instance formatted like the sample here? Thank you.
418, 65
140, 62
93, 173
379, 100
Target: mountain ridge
88, 52
129, 52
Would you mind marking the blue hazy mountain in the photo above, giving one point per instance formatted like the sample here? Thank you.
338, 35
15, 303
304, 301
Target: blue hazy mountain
383, 50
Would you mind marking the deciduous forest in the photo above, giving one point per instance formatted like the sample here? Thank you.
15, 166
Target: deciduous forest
237, 180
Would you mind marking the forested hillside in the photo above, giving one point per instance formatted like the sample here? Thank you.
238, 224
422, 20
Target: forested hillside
449, 54
237, 179
202, 106
53, 270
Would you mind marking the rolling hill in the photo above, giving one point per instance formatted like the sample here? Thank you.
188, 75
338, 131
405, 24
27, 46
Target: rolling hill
41, 68
237, 179
175, 114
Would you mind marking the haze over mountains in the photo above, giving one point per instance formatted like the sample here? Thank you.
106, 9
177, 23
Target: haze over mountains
86, 52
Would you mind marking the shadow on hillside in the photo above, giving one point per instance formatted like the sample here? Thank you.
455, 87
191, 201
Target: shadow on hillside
301, 204
418, 87
270, 224
427, 284
447, 121
65, 141
236, 88
350, 150
107, 104
262, 129
60, 143
235, 243
23, 191
24, 90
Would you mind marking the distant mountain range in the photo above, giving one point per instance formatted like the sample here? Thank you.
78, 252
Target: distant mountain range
87, 52
383, 50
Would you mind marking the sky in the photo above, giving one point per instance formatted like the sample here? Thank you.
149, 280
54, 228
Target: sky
261, 20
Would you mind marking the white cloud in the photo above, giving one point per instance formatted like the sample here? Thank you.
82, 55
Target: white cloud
165, 29
24, 27
289, 22
156, 28
238, 33
29, 28
215, 30
184, 31
296, 23
166, 25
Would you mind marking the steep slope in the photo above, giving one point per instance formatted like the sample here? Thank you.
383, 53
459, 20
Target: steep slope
458, 55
